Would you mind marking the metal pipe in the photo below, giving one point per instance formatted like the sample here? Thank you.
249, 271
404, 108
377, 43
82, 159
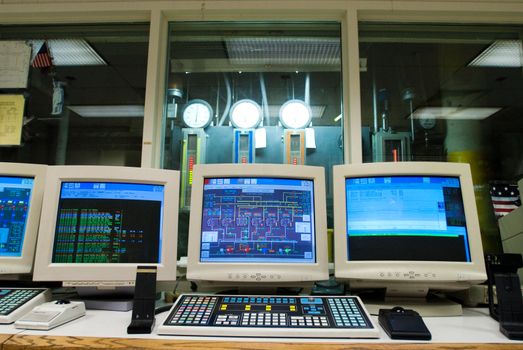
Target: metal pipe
217, 103
307, 89
63, 138
265, 104
411, 120
229, 98
375, 100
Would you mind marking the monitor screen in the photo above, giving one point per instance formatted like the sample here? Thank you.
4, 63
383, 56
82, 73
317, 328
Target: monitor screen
407, 226
258, 220
104, 221
108, 222
15, 203
415, 218
257, 223
21, 193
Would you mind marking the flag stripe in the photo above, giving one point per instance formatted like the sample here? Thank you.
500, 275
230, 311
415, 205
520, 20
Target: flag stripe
42, 61
505, 207
504, 202
508, 199
43, 58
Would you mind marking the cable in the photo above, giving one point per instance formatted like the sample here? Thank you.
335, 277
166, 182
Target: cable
162, 308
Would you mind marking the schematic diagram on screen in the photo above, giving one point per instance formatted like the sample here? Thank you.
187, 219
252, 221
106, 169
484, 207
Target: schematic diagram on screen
257, 220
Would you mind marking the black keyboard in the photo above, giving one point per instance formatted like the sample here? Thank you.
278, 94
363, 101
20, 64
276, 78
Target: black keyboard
16, 302
269, 316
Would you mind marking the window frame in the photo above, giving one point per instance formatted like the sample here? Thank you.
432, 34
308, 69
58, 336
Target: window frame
347, 12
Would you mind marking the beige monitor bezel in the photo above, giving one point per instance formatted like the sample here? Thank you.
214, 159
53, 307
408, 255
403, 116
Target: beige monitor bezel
238, 273
93, 274
24, 263
447, 275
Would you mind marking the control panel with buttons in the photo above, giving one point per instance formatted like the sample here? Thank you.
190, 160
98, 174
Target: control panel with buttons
271, 316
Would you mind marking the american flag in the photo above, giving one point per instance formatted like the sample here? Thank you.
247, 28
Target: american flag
43, 58
505, 198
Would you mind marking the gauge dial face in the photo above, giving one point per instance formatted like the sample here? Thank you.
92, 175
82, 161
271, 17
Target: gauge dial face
295, 114
197, 114
245, 114
427, 122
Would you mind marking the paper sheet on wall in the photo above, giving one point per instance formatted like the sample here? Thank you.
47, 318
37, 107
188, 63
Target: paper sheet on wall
260, 137
15, 57
11, 119
310, 138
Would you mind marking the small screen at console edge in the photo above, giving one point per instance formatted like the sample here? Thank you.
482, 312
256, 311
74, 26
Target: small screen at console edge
15, 197
258, 220
406, 218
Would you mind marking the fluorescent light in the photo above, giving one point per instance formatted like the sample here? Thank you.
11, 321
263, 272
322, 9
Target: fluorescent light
283, 50
108, 111
502, 53
472, 113
70, 52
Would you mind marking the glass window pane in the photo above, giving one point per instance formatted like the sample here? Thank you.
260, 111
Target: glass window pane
436, 92
99, 73
252, 92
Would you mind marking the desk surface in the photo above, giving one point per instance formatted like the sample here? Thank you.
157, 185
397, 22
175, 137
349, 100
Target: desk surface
23, 342
107, 330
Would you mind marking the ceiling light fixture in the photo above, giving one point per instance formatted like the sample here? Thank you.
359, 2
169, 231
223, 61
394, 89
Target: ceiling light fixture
283, 50
70, 52
471, 113
118, 111
501, 53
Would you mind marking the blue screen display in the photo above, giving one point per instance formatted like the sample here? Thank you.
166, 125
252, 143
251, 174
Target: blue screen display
109, 222
258, 220
406, 218
15, 198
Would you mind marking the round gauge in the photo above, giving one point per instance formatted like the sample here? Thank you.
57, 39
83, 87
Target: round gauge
427, 123
245, 114
197, 114
295, 114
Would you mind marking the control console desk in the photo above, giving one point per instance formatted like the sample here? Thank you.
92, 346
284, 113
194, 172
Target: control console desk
107, 330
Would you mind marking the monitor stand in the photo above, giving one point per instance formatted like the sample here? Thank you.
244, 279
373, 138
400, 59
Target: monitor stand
431, 305
113, 299
17, 277
253, 288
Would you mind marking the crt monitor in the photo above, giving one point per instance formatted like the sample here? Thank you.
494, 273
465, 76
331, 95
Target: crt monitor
253, 223
21, 193
408, 227
101, 222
